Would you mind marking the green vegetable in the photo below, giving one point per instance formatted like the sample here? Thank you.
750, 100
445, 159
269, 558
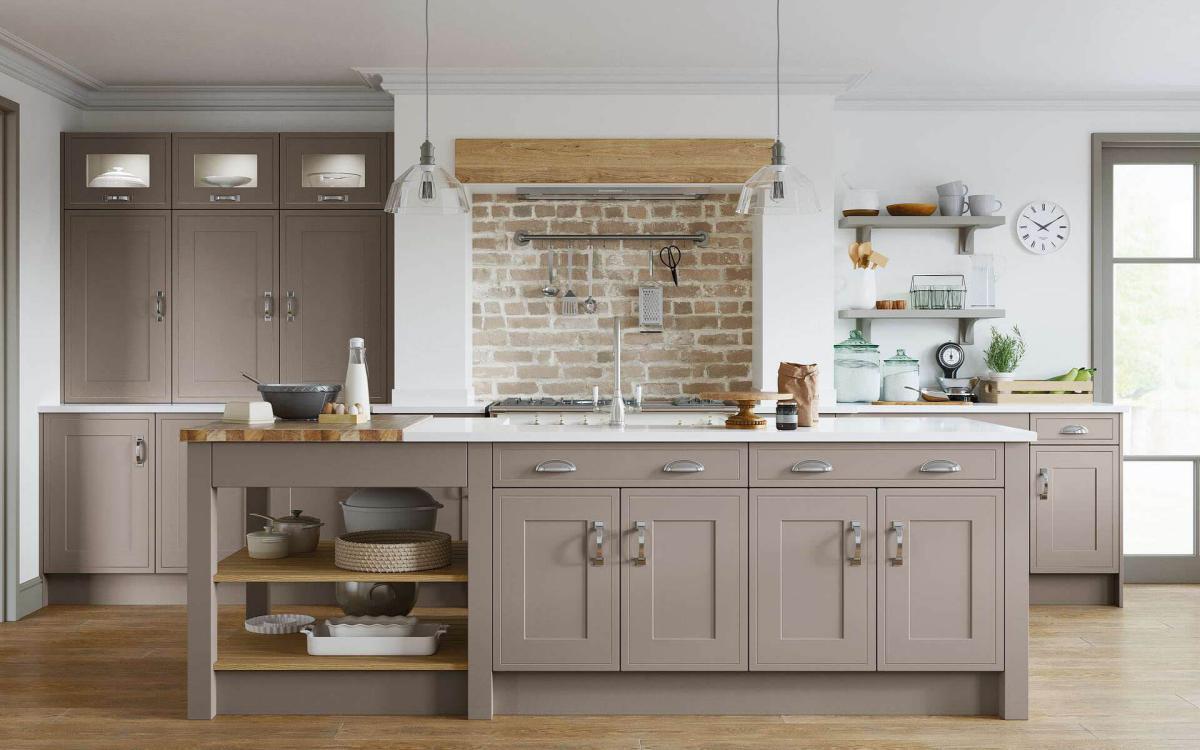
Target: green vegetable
1004, 353
1085, 374
1068, 375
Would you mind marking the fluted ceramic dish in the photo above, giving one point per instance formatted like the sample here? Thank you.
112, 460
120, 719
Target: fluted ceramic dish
422, 642
371, 626
278, 624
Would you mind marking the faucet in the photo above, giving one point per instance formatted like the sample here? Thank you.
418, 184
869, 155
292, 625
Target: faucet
616, 414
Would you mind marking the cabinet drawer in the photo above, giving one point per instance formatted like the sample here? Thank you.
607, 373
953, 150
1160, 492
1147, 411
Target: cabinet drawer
651, 465
867, 464
1077, 428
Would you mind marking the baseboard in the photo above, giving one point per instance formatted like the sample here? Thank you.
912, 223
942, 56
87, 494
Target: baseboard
31, 596
1074, 588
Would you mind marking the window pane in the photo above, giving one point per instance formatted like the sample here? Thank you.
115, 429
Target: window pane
1159, 508
1152, 210
1156, 309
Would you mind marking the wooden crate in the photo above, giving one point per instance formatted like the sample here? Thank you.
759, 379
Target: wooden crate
1035, 392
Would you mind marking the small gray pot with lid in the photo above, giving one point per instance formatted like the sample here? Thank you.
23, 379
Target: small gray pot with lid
304, 532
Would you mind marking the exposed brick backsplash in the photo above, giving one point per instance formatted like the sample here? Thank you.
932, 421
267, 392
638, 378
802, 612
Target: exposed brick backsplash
525, 346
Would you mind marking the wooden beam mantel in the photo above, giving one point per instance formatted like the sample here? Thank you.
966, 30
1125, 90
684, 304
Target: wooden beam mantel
518, 161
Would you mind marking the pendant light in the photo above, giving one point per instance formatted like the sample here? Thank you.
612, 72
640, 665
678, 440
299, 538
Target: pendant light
778, 188
426, 188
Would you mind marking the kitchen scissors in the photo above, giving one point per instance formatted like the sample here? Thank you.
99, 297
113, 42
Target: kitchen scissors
670, 257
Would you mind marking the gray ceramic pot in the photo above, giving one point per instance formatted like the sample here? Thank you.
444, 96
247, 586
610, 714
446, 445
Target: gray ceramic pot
366, 598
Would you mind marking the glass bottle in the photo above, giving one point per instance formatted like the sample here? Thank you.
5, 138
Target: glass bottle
356, 390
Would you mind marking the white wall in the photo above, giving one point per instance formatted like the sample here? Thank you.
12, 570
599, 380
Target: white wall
1019, 156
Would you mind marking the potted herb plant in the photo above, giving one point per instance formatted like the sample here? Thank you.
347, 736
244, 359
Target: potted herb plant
1004, 353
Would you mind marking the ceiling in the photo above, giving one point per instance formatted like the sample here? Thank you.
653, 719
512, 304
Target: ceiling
936, 48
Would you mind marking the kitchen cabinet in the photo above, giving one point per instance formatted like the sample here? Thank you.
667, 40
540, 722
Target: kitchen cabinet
226, 291
170, 499
116, 306
335, 170
684, 579
225, 170
812, 579
1074, 516
940, 600
97, 493
116, 170
555, 561
333, 282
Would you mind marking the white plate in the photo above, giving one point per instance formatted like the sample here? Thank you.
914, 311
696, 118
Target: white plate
422, 642
227, 180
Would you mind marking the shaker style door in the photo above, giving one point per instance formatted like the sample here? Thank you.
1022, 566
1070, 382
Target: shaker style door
1074, 510
812, 579
116, 306
226, 300
940, 561
684, 579
225, 170
116, 170
555, 558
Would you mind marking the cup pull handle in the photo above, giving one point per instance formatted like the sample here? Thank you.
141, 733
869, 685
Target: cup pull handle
940, 466
855, 558
1073, 429
898, 527
555, 466
684, 466
640, 527
812, 466
598, 527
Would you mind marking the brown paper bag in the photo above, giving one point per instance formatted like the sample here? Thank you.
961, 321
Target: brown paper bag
800, 381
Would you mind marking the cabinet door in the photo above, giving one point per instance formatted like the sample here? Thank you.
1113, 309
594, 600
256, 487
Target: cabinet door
335, 170
1074, 519
812, 579
555, 563
98, 479
116, 306
332, 284
171, 499
225, 170
116, 170
940, 557
225, 266
684, 579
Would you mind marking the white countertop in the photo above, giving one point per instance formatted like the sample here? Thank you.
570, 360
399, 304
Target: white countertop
966, 411
829, 430
478, 408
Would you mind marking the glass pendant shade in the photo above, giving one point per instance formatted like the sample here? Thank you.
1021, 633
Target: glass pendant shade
426, 188
778, 189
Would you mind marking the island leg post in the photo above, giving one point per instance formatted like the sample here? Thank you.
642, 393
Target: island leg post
1014, 693
201, 590
258, 595
479, 581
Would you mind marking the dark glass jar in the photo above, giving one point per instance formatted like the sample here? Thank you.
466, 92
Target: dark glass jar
786, 415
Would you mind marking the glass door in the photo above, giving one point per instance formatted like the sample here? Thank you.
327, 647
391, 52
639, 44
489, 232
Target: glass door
1151, 251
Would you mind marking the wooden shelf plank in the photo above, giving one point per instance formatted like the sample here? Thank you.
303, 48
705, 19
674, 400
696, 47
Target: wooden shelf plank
242, 651
318, 567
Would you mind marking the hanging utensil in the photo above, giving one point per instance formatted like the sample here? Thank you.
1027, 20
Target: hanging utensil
570, 302
550, 290
589, 304
670, 257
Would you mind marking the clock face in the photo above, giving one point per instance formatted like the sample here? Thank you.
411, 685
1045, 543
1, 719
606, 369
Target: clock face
1043, 227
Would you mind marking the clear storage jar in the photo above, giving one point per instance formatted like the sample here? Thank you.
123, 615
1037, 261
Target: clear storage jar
901, 378
856, 376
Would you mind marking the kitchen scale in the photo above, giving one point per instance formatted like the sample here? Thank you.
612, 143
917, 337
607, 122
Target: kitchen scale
950, 357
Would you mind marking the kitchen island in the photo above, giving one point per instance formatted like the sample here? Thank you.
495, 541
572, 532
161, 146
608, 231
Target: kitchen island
861, 566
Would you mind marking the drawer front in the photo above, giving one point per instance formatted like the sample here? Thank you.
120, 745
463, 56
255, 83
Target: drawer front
1077, 428
866, 464
650, 465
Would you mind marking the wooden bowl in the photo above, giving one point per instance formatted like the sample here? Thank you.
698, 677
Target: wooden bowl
912, 209
860, 212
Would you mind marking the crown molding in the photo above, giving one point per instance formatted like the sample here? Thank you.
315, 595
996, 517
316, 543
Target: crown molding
43, 71
1186, 100
238, 98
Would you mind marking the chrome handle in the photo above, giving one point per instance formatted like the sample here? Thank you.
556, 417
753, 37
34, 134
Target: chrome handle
898, 527
332, 198
291, 306
684, 466
555, 466
268, 306
214, 198
139, 451
1043, 485
856, 557
940, 466
160, 305
116, 199
598, 526
812, 466
1073, 429
640, 526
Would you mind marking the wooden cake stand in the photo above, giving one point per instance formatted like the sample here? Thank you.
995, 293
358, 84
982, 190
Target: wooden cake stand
746, 419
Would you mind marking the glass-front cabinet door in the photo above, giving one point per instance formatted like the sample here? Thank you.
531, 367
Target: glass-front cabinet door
226, 170
116, 171
334, 170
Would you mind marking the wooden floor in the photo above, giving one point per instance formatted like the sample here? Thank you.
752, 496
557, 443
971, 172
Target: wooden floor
85, 677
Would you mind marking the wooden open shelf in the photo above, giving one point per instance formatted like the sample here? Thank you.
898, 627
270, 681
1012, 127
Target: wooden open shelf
318, 567
242, 651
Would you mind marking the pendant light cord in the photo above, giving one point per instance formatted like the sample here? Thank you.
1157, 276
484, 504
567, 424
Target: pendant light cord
427, 68
778, 44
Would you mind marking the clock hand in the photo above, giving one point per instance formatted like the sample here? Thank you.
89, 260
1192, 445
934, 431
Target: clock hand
1043, 227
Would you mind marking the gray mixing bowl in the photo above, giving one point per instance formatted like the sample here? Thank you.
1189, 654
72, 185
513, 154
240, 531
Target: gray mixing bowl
298, 400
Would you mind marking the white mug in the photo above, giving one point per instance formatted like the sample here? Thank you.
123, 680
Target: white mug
983, 204
952, 205
952, 188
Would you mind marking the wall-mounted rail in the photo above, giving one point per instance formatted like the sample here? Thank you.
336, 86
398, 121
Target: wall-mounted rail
524, 238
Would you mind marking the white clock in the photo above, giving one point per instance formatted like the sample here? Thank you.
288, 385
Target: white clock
1043, 227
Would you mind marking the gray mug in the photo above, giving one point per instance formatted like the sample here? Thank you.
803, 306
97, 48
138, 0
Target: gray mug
952, 188
983, 204
952, 205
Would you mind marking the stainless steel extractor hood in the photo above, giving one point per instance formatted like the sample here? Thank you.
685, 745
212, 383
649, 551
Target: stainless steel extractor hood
613, 192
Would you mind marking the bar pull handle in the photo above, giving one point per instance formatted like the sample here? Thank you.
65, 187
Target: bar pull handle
139, 450
214, 198
332, 198
812, 466
160, 305
555, 466
640, 527
684, 466
598, 527
268, 306
898, 527
291, 306
855, 557
1043, 484
116, 199
940, 466
1073, 429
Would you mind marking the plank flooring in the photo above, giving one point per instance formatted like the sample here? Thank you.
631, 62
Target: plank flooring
1102, 679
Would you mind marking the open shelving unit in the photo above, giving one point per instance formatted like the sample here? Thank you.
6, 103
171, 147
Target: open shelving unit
966, 226
318, 567
967, 318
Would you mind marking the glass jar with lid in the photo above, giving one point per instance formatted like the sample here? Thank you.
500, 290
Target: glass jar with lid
901, 378
856, 376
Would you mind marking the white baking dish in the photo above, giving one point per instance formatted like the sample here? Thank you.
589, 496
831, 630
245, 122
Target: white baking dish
371, 626
422, 642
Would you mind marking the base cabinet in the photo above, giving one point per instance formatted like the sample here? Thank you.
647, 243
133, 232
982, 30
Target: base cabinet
1074, 511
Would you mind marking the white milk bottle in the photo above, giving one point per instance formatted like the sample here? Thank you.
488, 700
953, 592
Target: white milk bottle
356, 390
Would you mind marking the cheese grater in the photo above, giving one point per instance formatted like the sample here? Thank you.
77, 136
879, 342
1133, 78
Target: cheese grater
650, 303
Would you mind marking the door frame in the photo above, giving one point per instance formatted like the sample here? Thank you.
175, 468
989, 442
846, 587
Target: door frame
9, 393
